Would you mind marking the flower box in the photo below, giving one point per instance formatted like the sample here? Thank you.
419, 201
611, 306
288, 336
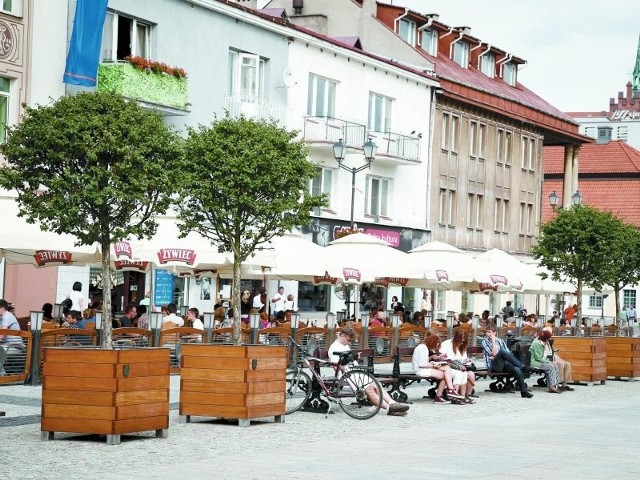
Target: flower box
623, 357
587, 355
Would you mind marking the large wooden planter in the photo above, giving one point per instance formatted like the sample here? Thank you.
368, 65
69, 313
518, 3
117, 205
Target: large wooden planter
623, 357
242, 382
105, 392
587, 355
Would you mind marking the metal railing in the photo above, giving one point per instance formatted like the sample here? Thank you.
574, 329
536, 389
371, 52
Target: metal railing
330, 129
398, 145
256, 108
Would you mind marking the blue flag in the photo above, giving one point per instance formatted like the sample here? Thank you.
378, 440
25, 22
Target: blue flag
84, 49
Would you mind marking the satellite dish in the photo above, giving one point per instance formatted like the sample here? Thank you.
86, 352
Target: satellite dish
289, 78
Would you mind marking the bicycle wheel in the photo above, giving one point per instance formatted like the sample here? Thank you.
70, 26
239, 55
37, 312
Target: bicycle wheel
352, 394
298, 390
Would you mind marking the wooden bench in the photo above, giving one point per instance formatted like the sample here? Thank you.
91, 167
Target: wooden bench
400, 381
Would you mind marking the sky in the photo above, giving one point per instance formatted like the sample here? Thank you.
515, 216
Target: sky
579, 53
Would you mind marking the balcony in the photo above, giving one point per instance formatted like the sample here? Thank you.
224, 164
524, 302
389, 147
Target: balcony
159, 91
397, 145
256, 109
330, 130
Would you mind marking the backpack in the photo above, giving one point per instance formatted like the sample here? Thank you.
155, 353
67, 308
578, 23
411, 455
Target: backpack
67, 303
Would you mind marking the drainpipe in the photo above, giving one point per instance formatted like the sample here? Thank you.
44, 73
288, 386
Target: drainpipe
503, 61
482, 54
423, 27
397, 20
451, 29
454, 42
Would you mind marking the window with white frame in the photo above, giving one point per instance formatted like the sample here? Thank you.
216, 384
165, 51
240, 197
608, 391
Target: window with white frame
12, 7
377, 196
379, 113
595, 301
628, 298
526, 219
505, 145
510, 73
461, 54
450, 132
407, 31
321, 96
429, 41
123, 36
501, 217
488, 64
622, 133
475, 206
477, 139
246, 74
528, 152
5, 91
446, 207
321, 183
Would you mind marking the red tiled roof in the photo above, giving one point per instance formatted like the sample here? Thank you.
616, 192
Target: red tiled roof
618, 196
614, 157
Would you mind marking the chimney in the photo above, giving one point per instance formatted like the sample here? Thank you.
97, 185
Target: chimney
433, 16
465, 30
298, 5
604, 135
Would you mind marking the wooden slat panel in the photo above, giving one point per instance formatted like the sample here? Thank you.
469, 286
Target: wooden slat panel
212, 387
141, 424
92, 412
270, 364
214, 351
260, 399
143, 370
265, 375
266, 411
78, 383
79, 355
144, 355
145, 410
210, 374
215, 363
211, 398
71, 397
266, 351
72, 425
79, 369
148, 383
141, 397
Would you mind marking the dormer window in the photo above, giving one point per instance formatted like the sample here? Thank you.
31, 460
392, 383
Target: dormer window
488, 64
510, 73
429, 41
461, 54
407, 31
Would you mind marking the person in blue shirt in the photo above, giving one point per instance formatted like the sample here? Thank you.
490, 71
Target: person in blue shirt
500, 359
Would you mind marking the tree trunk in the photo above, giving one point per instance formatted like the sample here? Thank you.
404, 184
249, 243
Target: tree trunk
616, 292
236, 296
107, 340
578, 325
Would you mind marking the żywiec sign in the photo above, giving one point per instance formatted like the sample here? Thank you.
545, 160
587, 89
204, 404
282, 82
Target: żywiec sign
386, 281
622, 115
442, 275
129, 265
166, 255
123, 249
325, 279
43, 257
351, 275
499, 279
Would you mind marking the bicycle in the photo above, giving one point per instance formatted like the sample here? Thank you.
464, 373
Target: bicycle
349, 389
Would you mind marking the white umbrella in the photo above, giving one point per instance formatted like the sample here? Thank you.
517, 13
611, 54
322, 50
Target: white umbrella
499, 271
297, 258
443, 265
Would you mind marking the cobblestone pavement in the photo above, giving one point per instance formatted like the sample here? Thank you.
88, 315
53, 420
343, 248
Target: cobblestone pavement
591, 433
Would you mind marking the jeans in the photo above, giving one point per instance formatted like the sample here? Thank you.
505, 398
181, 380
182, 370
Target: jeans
505, 361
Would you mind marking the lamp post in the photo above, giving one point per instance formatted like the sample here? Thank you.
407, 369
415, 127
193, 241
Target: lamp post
99, 327
208, 319
254, 321
331, 326
395, 323
36, 330
554, 198
364, 321
295, 323
576, 198
58, 311
155, 320
340, 151
183, 310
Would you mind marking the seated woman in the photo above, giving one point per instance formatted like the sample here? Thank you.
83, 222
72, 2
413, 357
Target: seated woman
542, 358
428, 364
47, 312
530, 321
456, 349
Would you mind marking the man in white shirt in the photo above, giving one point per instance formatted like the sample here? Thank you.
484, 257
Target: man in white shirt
278, 301
258, 304
172, 317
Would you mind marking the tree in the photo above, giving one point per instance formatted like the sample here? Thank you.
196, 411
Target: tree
247, 182
624, 261
577, 246
95, 166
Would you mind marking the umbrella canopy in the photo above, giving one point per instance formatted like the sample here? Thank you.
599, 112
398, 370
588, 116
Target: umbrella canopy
297, 258
499, 271
29, 244
443, 265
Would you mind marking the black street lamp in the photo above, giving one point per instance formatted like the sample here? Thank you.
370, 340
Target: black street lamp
340, 151
577, 198
554, 198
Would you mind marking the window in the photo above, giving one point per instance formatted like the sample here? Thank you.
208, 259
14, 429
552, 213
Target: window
377, 196
510, 73
246, 74
591, 132
321, 183
504, 146
123, 36
475, 205
488, 64
450, 132
408, 31
5, 85
477, 135
430, 41
528, 153
461, 54
501, 218
595, 301
312, 298
379, 113
526, 219
446, 207
622, 133
321, 97
13, 7
628, 298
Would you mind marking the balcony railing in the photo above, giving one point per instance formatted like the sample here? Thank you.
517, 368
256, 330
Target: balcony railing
256, 109
397, 145
329, 129
156, 88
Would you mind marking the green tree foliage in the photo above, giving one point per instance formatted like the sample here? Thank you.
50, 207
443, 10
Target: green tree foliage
580, 245
95, 166
247, 181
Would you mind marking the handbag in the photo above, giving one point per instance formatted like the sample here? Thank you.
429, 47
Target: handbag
67, 303
456, 364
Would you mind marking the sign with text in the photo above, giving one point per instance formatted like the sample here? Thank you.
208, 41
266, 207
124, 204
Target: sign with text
43, 257
163, 291
166, 255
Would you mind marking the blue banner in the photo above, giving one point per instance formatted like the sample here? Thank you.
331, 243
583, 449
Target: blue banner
163, 291
86, 38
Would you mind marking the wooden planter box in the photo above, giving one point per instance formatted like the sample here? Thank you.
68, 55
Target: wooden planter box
105, 392
623, 357
587, 355
237, 382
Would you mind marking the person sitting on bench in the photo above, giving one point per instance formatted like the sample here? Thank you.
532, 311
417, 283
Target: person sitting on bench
542, 358
499, 359
426, 366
